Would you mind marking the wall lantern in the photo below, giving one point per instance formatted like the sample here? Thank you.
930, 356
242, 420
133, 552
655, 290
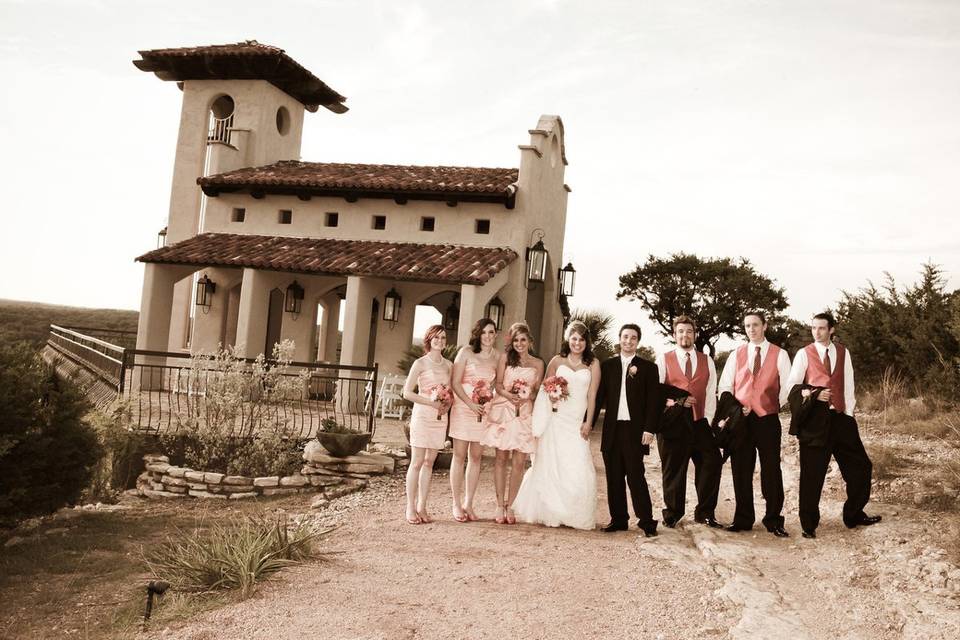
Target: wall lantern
391, 306
162, 238
451, 317
536, 259
567, 276
294, 298
495, 311
205, 290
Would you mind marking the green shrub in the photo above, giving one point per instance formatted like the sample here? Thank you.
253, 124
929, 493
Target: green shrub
236, 555
48, 452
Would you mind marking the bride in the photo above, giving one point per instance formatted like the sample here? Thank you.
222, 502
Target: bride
560, 488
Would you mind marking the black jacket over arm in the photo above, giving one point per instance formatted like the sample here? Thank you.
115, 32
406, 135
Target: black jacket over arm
643, 398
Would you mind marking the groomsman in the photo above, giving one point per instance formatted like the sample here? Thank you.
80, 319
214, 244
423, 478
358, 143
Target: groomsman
694, 373
756, 373
829, 366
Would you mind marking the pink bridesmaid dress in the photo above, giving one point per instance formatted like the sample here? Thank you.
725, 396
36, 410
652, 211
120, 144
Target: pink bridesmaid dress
505, 429
425, 430
463, 422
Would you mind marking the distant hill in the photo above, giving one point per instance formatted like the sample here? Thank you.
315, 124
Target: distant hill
30, 321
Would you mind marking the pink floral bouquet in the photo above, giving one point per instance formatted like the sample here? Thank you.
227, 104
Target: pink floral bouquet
442, 394
556, 388
482, 394
520, 388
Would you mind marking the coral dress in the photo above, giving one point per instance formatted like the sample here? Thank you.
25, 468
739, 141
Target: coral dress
505, 429
425, 430
463, 421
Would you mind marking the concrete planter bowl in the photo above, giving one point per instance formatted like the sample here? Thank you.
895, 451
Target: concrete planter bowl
342, 445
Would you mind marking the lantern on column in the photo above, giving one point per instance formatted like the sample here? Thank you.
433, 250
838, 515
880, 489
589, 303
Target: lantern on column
391, 305
205, 290
567, 276
294, 298
536, 259
495, 311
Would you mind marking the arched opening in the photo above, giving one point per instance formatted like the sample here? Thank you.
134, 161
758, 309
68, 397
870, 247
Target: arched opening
221, 119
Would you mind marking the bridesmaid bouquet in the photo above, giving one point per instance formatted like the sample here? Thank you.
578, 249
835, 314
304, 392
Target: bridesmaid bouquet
441, 393
556, 388
482, 394
522, 389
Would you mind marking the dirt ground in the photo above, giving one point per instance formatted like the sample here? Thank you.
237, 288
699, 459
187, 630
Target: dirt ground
483, 580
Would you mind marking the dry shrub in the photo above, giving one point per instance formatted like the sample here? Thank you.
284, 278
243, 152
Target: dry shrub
887, 463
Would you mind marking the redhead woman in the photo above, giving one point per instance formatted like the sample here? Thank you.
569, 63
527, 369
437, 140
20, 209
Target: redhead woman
474, 376
509, 430
430, 376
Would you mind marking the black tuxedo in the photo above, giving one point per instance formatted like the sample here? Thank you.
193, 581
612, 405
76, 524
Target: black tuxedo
620, 442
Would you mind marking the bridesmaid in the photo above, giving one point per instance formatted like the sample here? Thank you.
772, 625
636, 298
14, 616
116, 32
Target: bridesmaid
478, 361
510, 428
427, 433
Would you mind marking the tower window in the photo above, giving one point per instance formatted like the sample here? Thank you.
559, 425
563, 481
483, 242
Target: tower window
285, 216
482, 226
427, 224
238, 215
332, 219
380, 222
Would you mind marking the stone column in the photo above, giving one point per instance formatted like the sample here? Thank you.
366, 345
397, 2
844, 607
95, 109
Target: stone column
153, 330
356, 337
210, 324
254, 305
330, 327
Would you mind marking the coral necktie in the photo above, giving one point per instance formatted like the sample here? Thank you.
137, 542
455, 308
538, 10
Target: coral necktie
688, 368
826, 362
756, 363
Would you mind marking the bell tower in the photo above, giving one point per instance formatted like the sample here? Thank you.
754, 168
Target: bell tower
243, 106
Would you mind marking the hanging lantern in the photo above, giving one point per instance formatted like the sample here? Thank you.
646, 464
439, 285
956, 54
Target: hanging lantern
567, 277
495, 311
451, 317
391, 306
205, 290
294, 298
536, 262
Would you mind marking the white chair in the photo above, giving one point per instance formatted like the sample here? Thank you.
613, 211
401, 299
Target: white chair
390, 397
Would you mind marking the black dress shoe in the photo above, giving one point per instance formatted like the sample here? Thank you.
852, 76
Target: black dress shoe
649, 532
780, 532
865, 521
614, 526
710, 522
670, 522
733, 528
809, 534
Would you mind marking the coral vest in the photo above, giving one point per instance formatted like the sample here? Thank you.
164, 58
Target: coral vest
696, 386
818, 376
761, 393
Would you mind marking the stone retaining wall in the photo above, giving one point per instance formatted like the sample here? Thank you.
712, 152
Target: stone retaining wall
321, 473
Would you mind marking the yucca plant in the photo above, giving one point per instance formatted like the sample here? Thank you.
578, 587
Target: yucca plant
233, 555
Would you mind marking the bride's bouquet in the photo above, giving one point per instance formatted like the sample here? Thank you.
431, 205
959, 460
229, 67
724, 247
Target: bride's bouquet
482, 394
441, 393
520, 388
556, 388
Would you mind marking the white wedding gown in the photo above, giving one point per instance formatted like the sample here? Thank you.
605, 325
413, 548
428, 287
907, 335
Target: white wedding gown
560, 488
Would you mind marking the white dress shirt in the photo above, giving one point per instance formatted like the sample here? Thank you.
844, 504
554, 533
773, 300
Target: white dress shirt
710, 404
799, 371
623, 410
729, 375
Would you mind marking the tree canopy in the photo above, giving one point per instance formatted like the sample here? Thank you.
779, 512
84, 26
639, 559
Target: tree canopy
714, 291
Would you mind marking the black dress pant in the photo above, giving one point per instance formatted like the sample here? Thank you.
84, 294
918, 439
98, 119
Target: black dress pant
844, 444
625, 459
675, 457
761, 436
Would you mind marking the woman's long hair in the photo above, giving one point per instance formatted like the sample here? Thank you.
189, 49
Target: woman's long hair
478, 331
516, 329
581, 330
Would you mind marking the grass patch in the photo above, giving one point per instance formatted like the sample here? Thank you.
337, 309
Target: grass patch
235, 555
888, 462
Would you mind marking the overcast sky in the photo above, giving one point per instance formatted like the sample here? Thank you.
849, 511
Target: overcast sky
820, 139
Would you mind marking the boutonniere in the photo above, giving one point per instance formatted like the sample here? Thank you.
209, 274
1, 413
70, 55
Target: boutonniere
632, 371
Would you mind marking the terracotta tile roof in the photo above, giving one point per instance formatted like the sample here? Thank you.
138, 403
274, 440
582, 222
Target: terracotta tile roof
248, 60
384, 178
323, 256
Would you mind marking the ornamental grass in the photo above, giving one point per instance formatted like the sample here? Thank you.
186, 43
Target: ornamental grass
236, 555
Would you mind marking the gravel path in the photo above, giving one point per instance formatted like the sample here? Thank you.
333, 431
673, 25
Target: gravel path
482, 580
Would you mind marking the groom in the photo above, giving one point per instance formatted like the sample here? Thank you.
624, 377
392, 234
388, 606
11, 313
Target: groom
629, 390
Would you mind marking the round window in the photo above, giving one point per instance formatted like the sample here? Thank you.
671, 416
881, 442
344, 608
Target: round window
222, 107
283, 121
